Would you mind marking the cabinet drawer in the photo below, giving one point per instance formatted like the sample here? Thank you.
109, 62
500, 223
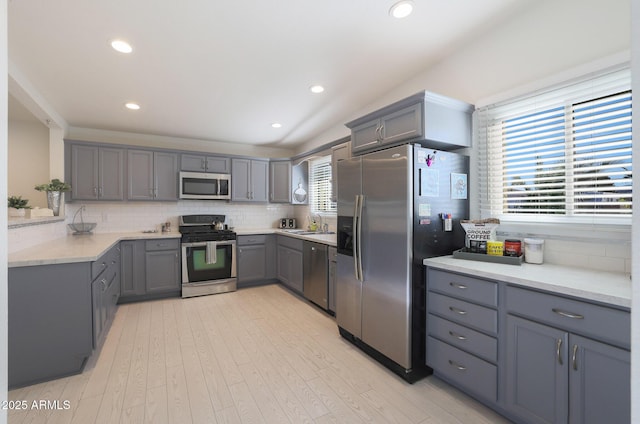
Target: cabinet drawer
470, 373
162, 244
253, 239
600, 322
97, 267
469, 314
290, 242
462, 337
463, 286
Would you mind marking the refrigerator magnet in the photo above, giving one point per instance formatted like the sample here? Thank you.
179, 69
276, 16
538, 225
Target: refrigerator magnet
424, 209
458, 186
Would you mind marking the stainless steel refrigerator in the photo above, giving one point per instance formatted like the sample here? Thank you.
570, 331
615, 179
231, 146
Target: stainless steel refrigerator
396, 207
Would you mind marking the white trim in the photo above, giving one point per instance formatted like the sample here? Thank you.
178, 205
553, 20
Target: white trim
599, 65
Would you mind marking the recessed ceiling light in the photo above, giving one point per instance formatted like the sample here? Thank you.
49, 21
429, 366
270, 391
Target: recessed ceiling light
276, 125
316, 89
132, 106
121, 46
401, 9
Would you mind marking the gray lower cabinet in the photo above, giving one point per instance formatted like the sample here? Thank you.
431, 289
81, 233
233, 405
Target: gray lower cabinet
201, 163
256, 259
97, 173
462, 332
49, 322
152, 175
249, 180
556, 376
150, 269
534, 356
280, 182
162, 263
105, 292
290, 262
333, 267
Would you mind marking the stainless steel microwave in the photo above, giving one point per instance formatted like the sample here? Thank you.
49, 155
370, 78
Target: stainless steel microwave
198, 185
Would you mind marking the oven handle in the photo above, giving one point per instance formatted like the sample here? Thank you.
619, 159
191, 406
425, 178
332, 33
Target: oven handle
204, 243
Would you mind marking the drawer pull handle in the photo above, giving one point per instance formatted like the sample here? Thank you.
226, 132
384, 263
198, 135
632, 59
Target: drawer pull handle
574, 357
457, 365
457, 336
558, 351
567, 314
458, 286
457, 311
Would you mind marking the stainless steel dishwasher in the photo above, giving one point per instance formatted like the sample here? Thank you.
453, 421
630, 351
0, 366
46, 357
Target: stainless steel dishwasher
315, 273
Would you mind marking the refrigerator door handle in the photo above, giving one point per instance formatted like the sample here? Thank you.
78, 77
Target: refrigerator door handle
355, 237
360, 203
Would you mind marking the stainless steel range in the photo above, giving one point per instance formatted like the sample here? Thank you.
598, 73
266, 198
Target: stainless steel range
208, 255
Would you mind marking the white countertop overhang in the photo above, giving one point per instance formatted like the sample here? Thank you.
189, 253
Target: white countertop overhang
599, 286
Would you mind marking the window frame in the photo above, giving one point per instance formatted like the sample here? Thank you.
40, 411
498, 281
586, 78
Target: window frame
492, 191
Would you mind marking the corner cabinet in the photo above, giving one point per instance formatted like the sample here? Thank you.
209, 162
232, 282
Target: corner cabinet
97, 173
152, 175
280, 182
250, 180
150, 269
443, 122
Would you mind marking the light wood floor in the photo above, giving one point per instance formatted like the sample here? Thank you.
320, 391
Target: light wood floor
259, 355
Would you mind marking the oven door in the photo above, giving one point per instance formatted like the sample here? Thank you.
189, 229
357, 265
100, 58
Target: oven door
208, 261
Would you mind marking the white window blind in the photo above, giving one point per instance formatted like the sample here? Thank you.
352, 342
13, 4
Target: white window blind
320, 185
559, 154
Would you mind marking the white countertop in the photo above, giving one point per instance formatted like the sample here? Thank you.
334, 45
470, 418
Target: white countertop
328, 239
81, 248
600, 286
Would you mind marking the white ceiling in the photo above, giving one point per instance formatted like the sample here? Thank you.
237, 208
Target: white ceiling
225, 70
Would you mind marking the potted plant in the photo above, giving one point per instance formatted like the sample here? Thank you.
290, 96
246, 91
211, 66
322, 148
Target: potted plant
17, 205
54, 190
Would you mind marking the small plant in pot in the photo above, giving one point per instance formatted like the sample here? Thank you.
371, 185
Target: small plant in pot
54, 190
17, 205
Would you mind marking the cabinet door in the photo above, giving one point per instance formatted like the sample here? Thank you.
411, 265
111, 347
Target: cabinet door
193, 163
283, 270
259, 181
280, 182
140, 176
252, 263
599, 382
99, 311
162, 271
296, 273
132, 268
339, 152
84, 172
218, 164
111, 174
165, 167
240, 174
365, 136
536, 369
402, 125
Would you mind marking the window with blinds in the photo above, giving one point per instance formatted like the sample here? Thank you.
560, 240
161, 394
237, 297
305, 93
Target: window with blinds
320, 186
560, 153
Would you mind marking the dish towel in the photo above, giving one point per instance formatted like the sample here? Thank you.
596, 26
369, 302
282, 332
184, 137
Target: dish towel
211, 256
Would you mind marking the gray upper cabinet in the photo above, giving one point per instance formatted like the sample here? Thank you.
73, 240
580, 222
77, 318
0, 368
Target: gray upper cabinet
250, 180
442, 122
339, 152
280, 182
200, 163
97, 173
152, 175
